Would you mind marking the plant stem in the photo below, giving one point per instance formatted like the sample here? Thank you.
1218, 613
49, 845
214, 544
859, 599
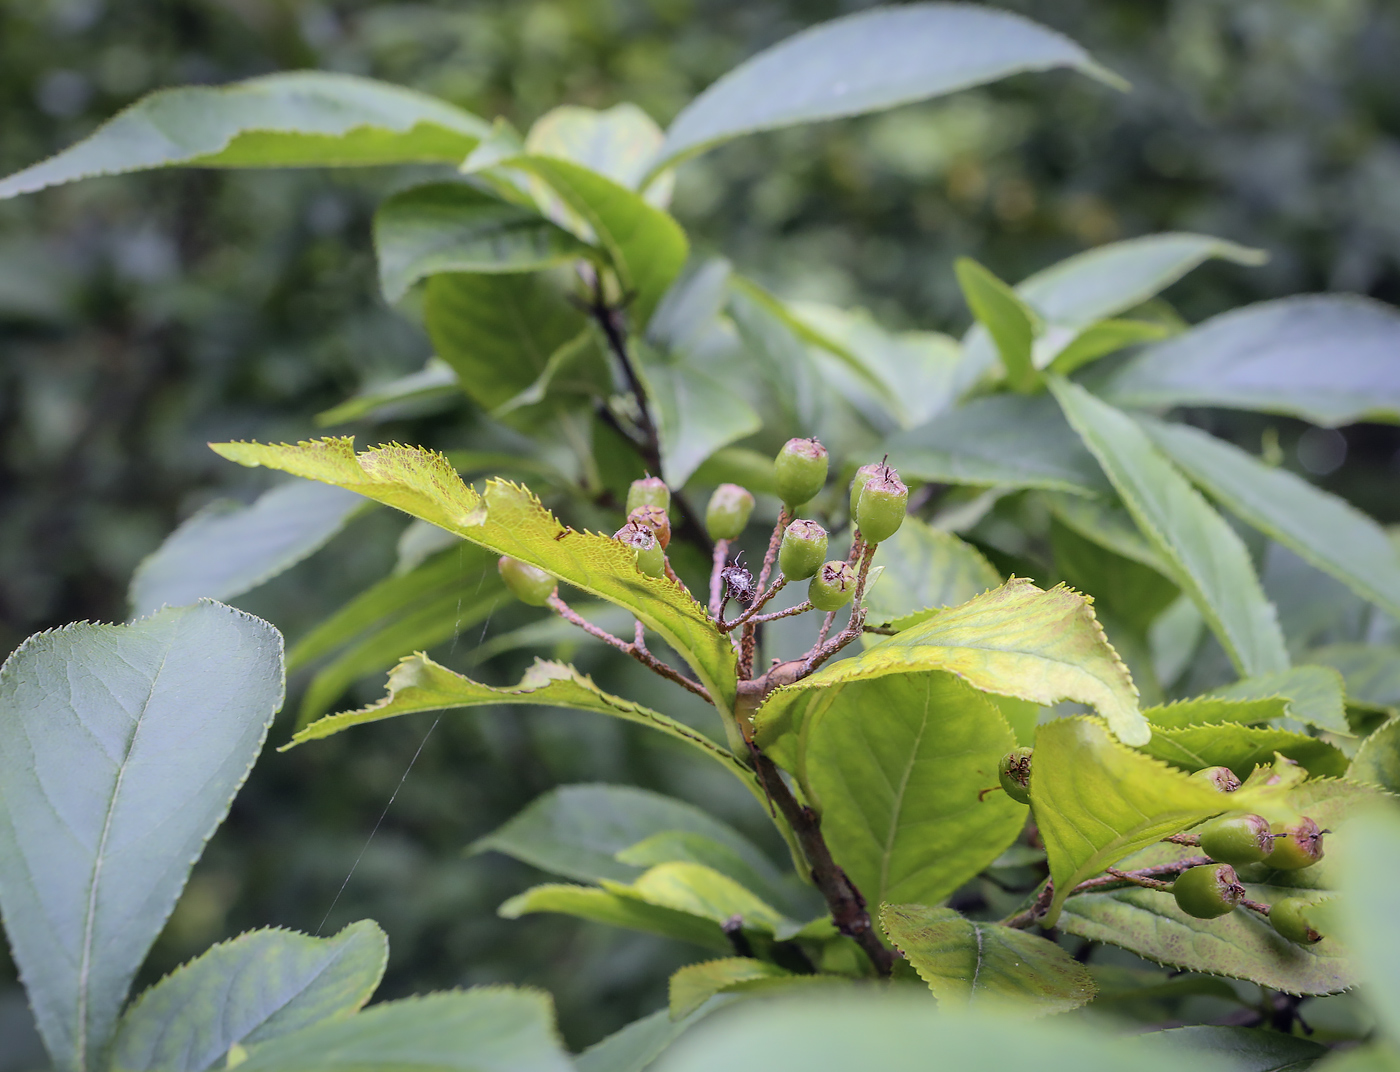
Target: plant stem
750, 615
1184, 839
1140, 880
853, 629
720, 557
1112, 879
750, 638
637, 649
845, 902
801, 608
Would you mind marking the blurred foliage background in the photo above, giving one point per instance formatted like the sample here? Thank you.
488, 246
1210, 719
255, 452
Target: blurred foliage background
141, 317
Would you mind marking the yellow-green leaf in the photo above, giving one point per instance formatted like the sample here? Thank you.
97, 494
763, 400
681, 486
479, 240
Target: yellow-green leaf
1311, 694
1012, 324
703, 892
968, 962
695, 984
1016, 640
926, 570
1212, 710
1097, 801
602, 906
509, 520
1242, 748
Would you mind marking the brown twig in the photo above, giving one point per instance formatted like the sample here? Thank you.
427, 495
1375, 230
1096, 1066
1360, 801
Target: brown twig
750, 637
847, 906
1255, 906
826, 628
801, 608
1135, 879
1113, 879
636, 650
825, 651
751, 614
1184, 839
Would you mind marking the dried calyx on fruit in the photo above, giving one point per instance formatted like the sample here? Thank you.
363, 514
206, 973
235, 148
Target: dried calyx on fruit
525, 582
803, 550
1208, 891
728, 512
1221, 778
1296, 845
1295, 919
1014, 773
833, 586
654, 518
882, 504
800, 468
1238, 839
651, 560
649, 491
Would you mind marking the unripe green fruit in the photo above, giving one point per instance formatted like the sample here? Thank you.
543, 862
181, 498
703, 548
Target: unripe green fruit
1221, 779
654, 518
649, 491
833, 586
525, 582
1014, 772
1298, 845
651, 560
801, 471
1208, 891
728, 512
1237, 839
1292, 918
882, 505
863, 474
803, 550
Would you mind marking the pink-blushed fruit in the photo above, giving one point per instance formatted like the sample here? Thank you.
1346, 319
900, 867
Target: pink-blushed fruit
649, 491
882, 505
1296, 845
863, 475
728, 512
800, 468
651, 560
654, 518
1221, 779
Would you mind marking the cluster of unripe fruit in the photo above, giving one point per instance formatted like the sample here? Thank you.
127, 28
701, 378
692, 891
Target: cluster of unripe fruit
1238, 839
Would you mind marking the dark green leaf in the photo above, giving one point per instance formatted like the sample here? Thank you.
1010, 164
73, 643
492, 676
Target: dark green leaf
1371, 672
1377, 761
295, 119
121, 747
925, 569
967, 962
1242, 748
1326, 358
697, 413
259, 986
696, 984
636, 1046
1324, 530
1209, 562
1251, 1049
452, 227
868, 62
1012, 325
429, 390
228, 548
1130, 592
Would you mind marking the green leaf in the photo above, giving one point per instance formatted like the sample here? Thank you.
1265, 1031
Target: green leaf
1012, 324
1073, 298
452, 227
498, 332
1326, 358
258, 986
1377, 1057
1377, 761
121, 747
1209, 562
1242, 748
925, 569
1209, 711
636, 1046
228, 548
509, 520
1107, 337
1105, 521
1252, 1049
1371, 672
1013, 641
967, 962
1130, 592
696, 984
419, 684
903, 1032
1322, 529
1368, 876
704, 893
581, 832
617, 143
1003, 440
295, 119
894, 764
865, 63
1313, 694
618, 910
741, 862
1097, 801
485, 1029
432, 388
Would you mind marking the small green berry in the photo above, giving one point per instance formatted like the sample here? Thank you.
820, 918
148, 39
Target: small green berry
654, 518
1221, 779
1296, 846
728, 512
882, 505
651, 560
525, 582
649, 491
1208, 891
863, 474
1237, 839
1014, 772
803, 550
1293, 918
801, 471
833, 586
